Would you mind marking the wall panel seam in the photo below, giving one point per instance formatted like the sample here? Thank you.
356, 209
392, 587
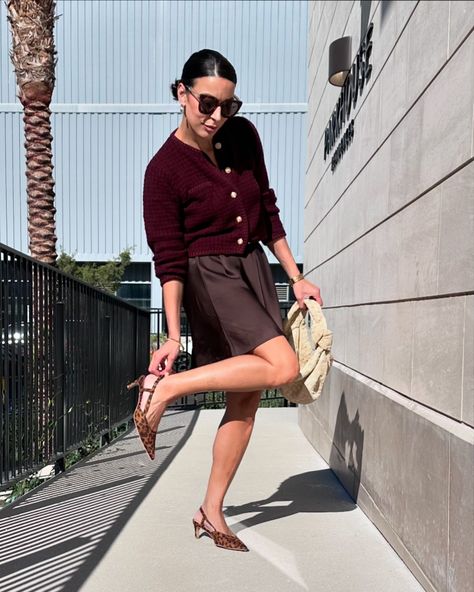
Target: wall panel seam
394, 213
459, 428
430, 297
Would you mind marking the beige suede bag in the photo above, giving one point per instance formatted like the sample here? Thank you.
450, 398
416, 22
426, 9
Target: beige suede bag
307, 332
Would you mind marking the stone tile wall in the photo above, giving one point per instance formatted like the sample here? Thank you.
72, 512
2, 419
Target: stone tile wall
389, 238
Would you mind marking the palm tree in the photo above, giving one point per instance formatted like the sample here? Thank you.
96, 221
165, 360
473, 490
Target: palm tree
33, 57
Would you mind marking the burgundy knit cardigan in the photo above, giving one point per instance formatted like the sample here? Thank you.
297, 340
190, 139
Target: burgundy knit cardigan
191, 207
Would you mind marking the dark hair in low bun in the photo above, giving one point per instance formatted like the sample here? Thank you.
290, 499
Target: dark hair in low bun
174, 89
205, 62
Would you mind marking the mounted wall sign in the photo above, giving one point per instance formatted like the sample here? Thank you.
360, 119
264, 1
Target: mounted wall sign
357, 78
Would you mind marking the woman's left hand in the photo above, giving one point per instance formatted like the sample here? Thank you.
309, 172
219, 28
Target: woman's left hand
305, 289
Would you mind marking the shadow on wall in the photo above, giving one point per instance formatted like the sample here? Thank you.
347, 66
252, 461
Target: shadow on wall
364, 16
347, 447
385, 8
365, 6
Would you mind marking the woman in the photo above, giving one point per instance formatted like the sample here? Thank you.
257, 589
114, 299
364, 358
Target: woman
207, 204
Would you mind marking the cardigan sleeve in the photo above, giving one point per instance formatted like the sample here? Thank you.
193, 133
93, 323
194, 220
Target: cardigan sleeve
162, 213
268, 195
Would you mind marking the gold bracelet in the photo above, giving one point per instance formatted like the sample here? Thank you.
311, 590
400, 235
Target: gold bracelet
181, 348
296, 278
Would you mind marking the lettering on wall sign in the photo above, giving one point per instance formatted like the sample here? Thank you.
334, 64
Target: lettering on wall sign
356, 80
343, 145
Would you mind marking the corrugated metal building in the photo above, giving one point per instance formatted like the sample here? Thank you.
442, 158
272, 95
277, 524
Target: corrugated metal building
112, 109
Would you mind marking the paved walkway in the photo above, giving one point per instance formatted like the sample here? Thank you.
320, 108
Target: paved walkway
94, 527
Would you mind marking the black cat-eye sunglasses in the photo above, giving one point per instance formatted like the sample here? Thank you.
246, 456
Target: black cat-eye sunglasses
208, 104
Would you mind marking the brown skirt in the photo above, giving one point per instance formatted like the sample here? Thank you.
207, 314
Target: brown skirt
231, 304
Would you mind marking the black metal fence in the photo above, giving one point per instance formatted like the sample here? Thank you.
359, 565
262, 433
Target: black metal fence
209, 400
67, 353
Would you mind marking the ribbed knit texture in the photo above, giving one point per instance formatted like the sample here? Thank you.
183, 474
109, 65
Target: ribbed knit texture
191, 207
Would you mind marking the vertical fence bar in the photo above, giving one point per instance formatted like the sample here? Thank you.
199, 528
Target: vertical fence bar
7, 378
136, 345
27, 365
35, 402
12, 341
22, 370
40, 393
48, 360
60, 407
108, 338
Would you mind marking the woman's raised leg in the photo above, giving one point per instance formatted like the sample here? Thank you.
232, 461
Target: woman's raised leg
271, 364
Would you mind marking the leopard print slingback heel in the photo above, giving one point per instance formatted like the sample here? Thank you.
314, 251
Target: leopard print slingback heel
147, 435
221, 539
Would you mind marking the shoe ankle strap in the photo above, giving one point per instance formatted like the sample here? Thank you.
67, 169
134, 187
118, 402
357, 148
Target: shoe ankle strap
205, 519
152, 388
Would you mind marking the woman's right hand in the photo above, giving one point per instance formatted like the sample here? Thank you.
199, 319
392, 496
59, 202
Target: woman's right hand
163, 359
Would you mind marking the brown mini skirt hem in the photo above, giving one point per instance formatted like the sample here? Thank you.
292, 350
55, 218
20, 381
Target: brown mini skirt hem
231, 304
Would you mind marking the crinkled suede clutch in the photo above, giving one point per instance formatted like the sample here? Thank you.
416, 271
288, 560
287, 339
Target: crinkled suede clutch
307, 332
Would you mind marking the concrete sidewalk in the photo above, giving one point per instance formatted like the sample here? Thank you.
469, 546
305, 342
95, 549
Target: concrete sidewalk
303, 530
119, 521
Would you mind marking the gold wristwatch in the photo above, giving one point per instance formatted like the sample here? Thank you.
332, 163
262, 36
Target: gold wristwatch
296, 278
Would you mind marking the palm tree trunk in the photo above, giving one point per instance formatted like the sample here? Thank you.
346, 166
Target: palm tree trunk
40, 182
33, 57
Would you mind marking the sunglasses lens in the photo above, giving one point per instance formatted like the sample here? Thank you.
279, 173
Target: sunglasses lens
207, 104
230, 107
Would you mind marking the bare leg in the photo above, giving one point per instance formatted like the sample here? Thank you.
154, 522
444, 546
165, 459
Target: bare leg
270, 365
229, 447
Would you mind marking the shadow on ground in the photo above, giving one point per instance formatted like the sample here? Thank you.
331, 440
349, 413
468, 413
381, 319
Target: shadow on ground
53, 538
313, 491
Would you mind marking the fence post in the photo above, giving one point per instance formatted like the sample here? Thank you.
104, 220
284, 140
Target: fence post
108, 332
61, 415
137, 371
